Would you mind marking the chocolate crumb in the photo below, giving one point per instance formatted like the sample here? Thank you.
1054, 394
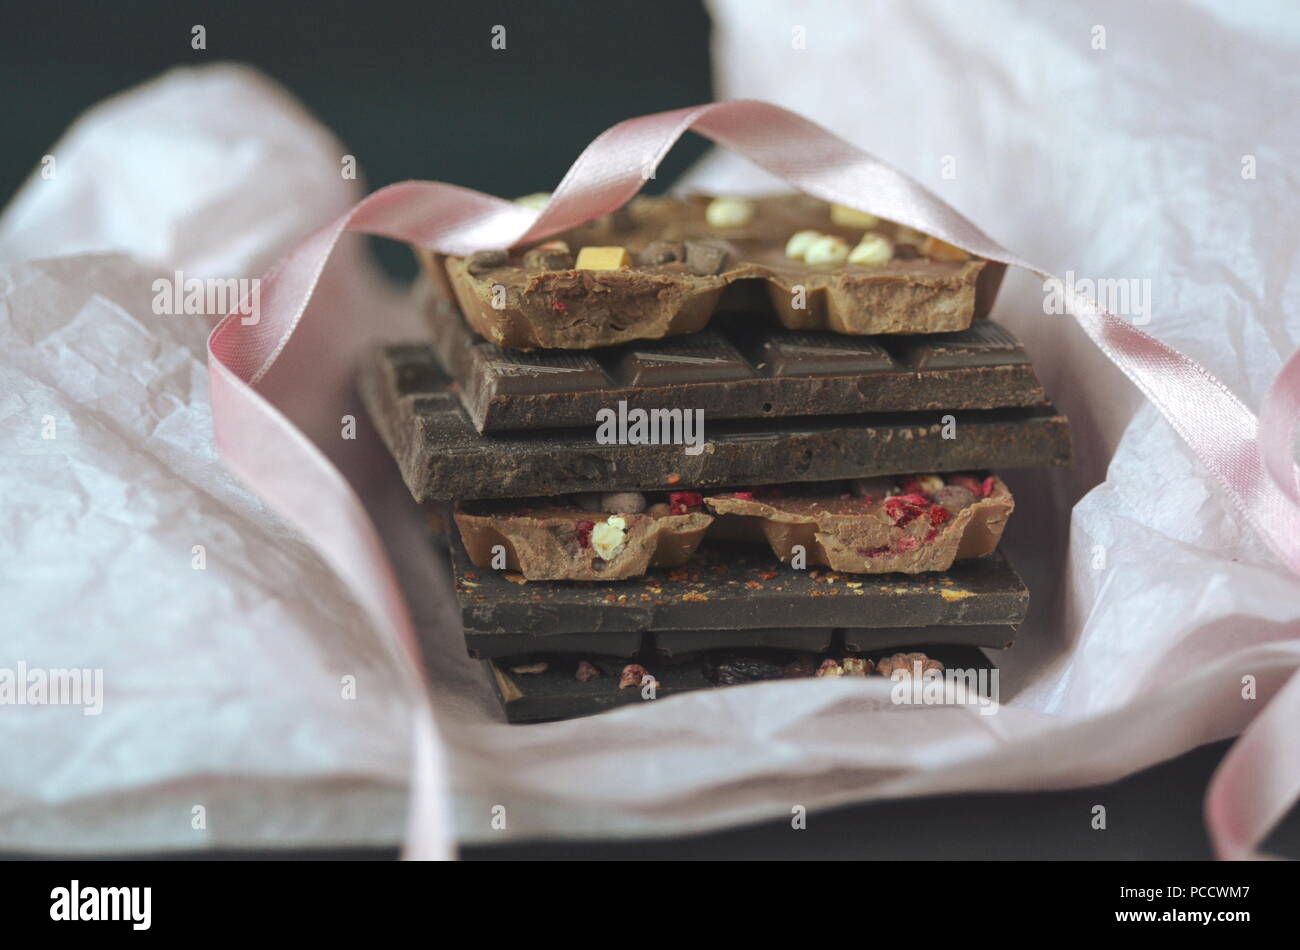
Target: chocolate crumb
705, 258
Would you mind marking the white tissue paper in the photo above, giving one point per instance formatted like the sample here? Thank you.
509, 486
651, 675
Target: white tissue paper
222, 686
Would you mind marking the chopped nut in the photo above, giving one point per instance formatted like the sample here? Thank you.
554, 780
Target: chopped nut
830, 668
929, 483
705, 258
514, 578
661, 252
633, 674
729, 213
799, 243
942, 251
482, 261
586, 672
609, 536
856, 666
872, 249
827, 249
847, 217
529, 668
603, 258
549, 255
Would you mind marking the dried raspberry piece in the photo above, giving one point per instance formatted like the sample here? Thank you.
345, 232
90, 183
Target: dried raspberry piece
938, 515
681, 502
743, 495
907, 543
583, 529
586, 672
559, 307
968, 482
930, 535
987, 488
874, 552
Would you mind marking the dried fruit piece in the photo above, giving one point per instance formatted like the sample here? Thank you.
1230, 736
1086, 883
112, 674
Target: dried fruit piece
681, 502
856, 666
830, 667
586, 672
633, 674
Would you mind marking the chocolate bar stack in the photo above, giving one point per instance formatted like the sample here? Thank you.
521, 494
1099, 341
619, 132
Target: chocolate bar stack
709, 441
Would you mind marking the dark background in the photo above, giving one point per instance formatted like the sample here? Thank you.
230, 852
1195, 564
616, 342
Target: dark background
416, 91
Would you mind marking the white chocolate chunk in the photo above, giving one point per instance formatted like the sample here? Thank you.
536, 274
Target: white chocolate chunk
872, 249
799, 243
608, 537
827, 249
537, 200
729, 213
847, 217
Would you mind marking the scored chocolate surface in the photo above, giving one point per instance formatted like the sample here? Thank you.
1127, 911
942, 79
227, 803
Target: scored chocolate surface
557, 693
442, 457
737, 588
740, 368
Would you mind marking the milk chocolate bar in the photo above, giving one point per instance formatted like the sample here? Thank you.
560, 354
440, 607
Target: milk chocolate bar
662, 266
548, 687
877, 527
443, 458
738, 587
739, 368
582, 540
870, 526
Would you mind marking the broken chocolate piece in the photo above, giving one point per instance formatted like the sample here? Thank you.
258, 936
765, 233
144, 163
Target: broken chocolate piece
705, 258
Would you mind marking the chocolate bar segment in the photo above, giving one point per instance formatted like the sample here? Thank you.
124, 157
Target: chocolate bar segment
554, 689
739, 368
731, 587
442, 457
662, 266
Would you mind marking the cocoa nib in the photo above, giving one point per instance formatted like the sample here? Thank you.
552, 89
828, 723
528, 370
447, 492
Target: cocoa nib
740, 669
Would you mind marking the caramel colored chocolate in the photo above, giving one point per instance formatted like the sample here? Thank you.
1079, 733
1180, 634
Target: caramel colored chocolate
909, 532
683, 267
565, 543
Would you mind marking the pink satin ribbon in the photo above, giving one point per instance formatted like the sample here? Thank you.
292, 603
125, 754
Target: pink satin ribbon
1253, 461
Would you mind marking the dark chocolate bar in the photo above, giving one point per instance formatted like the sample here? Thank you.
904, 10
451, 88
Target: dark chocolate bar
738, 587
442, 457
484, 645
738, 369
555, 691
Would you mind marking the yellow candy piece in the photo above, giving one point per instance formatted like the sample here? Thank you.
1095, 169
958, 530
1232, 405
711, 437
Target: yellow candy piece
847, 217
603, 258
